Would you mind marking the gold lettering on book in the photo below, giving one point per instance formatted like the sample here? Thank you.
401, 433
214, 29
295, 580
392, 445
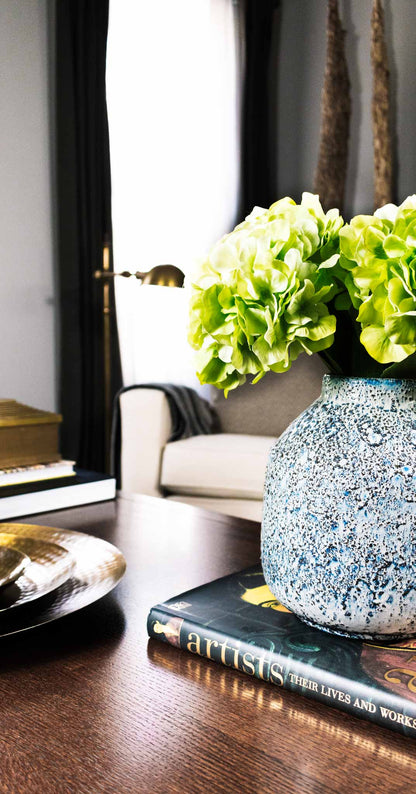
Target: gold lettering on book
276, 676
224, 648
231, 654
210, 643
194, 645
248, 665
393, 676
262, 659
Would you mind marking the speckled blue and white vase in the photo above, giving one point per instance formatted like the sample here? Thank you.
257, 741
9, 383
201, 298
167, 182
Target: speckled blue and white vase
339, 516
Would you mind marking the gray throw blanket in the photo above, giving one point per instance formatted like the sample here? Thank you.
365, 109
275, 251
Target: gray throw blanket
191, 415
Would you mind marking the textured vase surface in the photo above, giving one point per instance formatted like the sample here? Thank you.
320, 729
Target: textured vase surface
339, 516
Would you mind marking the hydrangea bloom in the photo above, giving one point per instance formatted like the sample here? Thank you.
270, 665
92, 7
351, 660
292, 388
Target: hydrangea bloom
379, 253
260, 297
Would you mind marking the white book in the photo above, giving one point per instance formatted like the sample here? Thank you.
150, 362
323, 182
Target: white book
42, 471
41, 497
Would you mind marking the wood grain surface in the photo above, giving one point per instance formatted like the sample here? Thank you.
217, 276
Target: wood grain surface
90, 705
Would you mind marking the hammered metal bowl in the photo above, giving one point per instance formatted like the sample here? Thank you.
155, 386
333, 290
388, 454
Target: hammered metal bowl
98, 567
12, 565
48, 566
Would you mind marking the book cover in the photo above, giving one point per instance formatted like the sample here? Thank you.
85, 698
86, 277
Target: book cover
36, 473
84, 488
237, 622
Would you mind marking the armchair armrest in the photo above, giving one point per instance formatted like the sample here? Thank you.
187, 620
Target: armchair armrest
145, 429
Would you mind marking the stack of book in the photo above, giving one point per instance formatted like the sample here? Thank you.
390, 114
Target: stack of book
33, 476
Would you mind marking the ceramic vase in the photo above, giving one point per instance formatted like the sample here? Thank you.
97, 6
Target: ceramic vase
339, 517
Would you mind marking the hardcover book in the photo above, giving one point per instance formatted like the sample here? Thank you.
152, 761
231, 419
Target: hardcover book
237, 622
84, 488
40, 471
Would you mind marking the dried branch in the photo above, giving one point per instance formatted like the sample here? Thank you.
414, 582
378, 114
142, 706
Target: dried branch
383, 152
331, 172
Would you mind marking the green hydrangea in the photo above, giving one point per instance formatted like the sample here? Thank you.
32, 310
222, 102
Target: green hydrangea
260, 297
379, 253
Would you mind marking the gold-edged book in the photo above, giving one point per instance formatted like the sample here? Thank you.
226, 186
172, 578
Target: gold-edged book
27, 435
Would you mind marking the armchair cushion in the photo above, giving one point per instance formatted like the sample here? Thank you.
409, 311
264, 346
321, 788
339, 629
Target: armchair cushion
219, 465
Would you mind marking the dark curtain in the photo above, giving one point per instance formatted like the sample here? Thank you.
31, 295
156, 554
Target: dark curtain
84, 221
259, 20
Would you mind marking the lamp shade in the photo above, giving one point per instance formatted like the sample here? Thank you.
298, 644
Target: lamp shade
152, 326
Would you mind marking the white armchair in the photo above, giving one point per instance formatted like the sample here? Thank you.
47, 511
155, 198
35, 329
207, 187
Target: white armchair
223, 471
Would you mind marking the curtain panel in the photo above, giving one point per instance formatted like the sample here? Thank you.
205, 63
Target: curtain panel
84, 221
258, 23
192, 151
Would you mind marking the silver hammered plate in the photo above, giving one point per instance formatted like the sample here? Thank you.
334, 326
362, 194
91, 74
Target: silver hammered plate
97, 567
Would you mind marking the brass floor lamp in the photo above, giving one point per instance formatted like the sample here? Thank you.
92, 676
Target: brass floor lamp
161, 276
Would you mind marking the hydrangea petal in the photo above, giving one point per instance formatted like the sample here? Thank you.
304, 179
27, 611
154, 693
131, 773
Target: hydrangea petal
260, 297
378, 255
379, 345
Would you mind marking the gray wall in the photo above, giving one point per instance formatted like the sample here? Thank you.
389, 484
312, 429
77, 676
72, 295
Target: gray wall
27, 302
300, 77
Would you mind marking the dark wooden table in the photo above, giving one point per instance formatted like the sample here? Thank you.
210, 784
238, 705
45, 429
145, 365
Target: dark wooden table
88, 704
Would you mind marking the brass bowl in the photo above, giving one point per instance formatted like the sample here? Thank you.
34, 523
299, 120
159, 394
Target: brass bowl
97, 567
12, 565
48, 566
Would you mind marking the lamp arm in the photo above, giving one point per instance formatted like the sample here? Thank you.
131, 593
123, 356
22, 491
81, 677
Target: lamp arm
161, 275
